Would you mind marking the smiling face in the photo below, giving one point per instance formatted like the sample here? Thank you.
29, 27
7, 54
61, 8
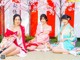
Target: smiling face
43, 20
17, 21
64, 21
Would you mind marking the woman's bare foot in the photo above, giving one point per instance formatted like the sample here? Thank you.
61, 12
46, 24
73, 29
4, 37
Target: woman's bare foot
65, 53
31, 48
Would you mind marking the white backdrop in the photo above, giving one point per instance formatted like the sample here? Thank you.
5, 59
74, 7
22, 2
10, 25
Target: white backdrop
9, 16
77, 20
25, 17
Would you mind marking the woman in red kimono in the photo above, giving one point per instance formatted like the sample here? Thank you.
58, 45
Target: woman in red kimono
13, 42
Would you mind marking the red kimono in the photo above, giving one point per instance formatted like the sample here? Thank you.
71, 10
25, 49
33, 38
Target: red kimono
16, 42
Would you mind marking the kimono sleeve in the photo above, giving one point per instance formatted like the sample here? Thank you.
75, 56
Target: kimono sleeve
39, 29
49, 29
72, 35
8, 33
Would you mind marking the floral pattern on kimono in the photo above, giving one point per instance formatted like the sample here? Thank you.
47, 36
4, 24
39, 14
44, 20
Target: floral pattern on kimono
67, 33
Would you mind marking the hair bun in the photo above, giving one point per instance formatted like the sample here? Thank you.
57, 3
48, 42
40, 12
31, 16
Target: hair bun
67, 17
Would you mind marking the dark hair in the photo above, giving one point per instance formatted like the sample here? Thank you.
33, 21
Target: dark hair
16, 15
67, 17
43, 16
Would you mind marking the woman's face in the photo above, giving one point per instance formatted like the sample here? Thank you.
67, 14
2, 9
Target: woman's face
17, 21
64, 21
43, 20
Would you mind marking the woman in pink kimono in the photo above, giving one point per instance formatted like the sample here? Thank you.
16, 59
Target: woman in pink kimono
41, 39
13, 42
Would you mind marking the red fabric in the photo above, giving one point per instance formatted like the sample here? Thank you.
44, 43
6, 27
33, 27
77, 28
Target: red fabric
32, 6
23, 36
0, 25
33, 20
31, 44
16, 1
2, 19
71, 13
23, 39
51, 19
9, 32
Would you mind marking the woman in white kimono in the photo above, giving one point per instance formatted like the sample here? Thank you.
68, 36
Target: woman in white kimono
66, 38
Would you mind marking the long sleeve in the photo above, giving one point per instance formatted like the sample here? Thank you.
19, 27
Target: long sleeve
39, 29
72, 35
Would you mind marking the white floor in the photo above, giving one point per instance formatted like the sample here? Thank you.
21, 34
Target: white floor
44, 56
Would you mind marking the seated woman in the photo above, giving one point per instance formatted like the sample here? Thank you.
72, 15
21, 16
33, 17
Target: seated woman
66, 38
13, 42
42, 35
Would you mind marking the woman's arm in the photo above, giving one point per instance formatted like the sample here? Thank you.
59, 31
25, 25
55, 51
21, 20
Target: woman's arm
48, 30
37, 30
72, 38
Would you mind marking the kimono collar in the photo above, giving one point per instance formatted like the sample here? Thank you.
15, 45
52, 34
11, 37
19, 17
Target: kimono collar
66, 26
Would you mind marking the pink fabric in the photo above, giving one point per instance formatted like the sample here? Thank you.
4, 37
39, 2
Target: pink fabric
41, 35
9, 33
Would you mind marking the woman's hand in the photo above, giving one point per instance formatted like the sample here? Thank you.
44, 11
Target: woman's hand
57, 42
36, 35
63, 40
31, 40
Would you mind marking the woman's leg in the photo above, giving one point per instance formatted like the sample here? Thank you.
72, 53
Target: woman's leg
59, 50
78, 49
40, 46
16, 51
33, 46
31, 41
9, 49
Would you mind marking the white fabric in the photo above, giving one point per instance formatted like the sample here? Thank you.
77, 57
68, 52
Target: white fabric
22, 53
73, 52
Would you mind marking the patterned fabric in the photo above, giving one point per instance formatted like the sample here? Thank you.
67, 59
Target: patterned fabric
41, 36
68, 34
11, 37
22, 46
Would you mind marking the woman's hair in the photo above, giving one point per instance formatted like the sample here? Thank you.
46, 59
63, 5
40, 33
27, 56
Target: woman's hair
67, 17
43, 16
16, 15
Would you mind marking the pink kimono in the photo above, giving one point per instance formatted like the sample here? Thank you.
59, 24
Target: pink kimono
41, 36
